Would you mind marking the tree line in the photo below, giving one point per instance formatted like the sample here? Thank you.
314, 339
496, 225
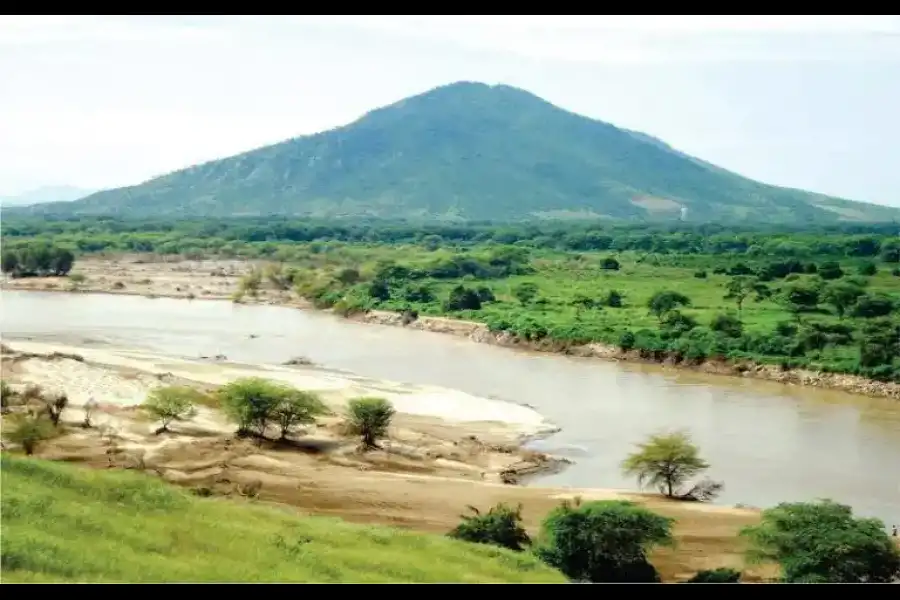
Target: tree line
36, 260
178, 236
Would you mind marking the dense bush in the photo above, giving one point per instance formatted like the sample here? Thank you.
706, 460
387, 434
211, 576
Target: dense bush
37, 260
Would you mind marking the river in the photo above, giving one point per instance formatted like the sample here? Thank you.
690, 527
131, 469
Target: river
768, 442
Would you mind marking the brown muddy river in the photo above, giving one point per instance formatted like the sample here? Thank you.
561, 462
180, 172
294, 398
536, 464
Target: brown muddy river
767, 442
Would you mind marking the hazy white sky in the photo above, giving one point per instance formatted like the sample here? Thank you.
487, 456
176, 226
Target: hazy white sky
92, 101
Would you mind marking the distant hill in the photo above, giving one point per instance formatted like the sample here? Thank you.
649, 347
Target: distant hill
470, 151
41, 195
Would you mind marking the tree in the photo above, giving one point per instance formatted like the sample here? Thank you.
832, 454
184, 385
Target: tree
369, 418
348, 276
840, 296
603, 542
500, 526
251, 402
822, 542
830, 270
54, 406
172, 403
798, 299
525, 292
665, 301
379, 290
462, 298
10, 262
582, 303
609, 264
740, 287
728, 325
879, 343
872, 307
28, 431
867, 268
665, 461
613, 299
485, 294
61, 261
297, 408
676, 324
890, 253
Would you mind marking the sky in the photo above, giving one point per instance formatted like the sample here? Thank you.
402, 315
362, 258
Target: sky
104, 101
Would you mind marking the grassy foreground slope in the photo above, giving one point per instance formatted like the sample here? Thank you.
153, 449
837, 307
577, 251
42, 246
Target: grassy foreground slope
64, 523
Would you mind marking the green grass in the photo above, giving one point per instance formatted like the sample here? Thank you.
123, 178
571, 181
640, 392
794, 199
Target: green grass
68, 524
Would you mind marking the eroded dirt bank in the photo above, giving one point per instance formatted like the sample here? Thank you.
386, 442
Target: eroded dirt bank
429, 471
218, 279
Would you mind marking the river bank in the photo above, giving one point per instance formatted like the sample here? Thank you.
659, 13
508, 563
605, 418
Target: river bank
219, 280
444, 452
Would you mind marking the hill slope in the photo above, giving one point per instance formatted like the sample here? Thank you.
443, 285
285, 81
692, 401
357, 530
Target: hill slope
469, 151
64, 523
50, 193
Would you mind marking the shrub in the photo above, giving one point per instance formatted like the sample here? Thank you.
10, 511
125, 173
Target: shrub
604, 541
462, 298
173, 403
500, 526
251, 402
369, 418
55, 405
727, 325
297, 408
823, 542
28, 431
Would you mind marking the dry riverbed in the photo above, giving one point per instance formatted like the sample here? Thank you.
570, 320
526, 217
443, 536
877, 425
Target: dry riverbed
445, 451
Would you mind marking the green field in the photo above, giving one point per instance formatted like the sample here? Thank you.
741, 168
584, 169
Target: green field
67, 524
825, 298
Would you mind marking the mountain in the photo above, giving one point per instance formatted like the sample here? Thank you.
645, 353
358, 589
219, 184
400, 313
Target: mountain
49, 193
470, 151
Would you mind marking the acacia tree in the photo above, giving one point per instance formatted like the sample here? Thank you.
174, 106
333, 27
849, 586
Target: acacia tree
664, 302
297, 408
822, 542
740, 287
841, 296
172, 403
369, 418
251, 403
667, 461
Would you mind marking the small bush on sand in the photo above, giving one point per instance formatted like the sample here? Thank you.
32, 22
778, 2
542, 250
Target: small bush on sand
369, 418
251, 402
28, 431
500, 526
297, 408
254, 404
172, 403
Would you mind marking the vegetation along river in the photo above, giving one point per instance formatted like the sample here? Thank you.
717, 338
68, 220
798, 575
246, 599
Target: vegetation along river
767, 442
